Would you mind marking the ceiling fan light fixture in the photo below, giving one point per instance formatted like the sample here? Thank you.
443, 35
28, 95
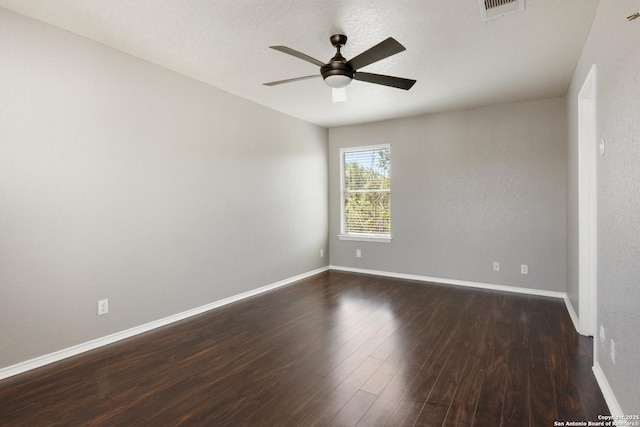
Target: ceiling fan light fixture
337, 81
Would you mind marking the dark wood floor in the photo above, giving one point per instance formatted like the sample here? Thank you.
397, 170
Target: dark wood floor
337, 349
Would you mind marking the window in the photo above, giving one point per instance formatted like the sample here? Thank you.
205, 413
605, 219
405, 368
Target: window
365, 193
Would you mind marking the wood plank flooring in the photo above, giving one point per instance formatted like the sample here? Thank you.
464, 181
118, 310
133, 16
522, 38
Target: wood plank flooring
337, 349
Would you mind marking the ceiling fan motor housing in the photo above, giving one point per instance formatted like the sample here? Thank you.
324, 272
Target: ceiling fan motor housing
337, 67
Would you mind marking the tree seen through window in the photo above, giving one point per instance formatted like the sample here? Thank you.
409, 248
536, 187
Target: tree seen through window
366, 191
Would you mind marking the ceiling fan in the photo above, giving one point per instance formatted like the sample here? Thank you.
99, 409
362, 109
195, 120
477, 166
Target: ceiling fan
339, 72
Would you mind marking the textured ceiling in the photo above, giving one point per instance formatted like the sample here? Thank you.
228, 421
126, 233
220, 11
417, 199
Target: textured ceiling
458, 60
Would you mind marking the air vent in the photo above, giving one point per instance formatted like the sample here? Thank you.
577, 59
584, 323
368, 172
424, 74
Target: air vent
491, 9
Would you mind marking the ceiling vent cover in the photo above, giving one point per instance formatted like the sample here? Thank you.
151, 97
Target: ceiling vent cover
491, 9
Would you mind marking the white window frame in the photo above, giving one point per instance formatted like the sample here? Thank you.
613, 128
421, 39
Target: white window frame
378, 238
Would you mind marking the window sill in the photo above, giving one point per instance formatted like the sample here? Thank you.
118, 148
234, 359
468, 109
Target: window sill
365, 238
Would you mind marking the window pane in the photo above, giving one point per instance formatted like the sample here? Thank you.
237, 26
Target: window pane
367, 213
366, 169
367, 191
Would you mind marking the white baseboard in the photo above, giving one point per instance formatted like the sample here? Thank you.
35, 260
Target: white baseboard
572, 314
605, 388
40, 361
609, 397
504, 288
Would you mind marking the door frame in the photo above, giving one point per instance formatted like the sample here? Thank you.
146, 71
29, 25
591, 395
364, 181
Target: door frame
587, 206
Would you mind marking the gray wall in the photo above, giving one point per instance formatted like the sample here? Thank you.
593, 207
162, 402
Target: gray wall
120, 179
467, 188
613, 45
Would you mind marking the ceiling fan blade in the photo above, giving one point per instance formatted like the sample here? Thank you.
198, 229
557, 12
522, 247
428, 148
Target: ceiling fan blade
295, 79
380, 79
380, 51
297, 54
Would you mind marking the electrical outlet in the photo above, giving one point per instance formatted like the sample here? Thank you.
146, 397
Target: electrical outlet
601, 334
524, 269
321, 253
613, 351
496, 266
103, 307
358, 253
